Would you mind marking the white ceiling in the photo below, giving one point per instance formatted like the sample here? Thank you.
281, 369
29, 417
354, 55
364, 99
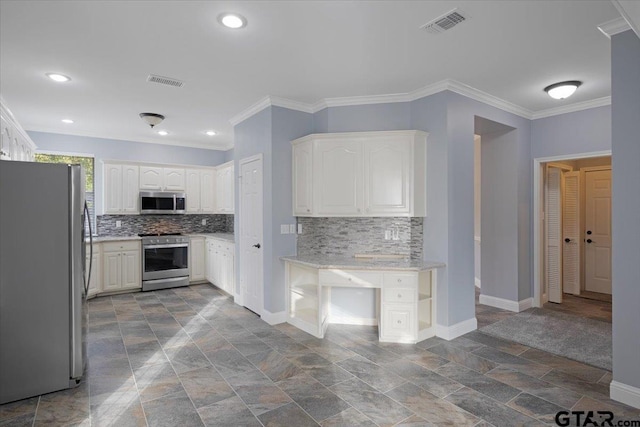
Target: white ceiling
304, 51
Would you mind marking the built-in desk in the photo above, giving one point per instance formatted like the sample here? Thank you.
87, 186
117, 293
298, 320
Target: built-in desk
406, 297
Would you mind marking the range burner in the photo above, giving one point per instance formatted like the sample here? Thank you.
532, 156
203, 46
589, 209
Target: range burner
159, 234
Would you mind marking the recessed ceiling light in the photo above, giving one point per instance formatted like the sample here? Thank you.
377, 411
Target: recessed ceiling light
60, 78
163, 132
562, 90
232, 20
68, 121
211, 132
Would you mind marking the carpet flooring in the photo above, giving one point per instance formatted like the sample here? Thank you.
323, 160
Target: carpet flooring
574, 337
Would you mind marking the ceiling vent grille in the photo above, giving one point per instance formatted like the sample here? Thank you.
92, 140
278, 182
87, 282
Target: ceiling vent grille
445, 22
165, 80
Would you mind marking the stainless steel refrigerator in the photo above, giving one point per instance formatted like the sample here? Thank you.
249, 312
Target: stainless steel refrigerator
42, 278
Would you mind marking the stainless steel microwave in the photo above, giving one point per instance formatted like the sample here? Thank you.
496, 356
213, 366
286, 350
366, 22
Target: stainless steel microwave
162, 202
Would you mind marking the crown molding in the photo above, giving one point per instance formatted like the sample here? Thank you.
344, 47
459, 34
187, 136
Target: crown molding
615, 26
174, 143
572, 108
632, 22
451, 85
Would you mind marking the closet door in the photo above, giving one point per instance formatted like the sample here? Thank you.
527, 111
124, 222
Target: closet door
571, 233
553, 229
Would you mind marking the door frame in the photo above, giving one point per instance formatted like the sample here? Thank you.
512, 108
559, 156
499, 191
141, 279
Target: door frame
538, 205
242, 263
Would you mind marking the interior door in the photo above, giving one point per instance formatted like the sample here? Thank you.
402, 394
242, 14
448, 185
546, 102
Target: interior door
553, 228
598, 231
251, 243
571, 233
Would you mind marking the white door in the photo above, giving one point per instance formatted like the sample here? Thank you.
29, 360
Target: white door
113, 188
207, 180
386, 177
130, 188
220, 191
131, 269
553, 226
338, 188
193, 190
150, 178
251, 243
571, 233
302, 179
229, 190
598, 231
173, 179
196, 259
112, 271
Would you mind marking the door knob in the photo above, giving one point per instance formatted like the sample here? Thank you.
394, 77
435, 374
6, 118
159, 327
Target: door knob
257, 245
588, 231
589, 241
567, 240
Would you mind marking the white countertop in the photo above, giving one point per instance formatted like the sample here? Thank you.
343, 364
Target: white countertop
323, 261
227, 237
98, 239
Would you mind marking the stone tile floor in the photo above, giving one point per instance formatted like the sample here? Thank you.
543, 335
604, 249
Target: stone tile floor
191, 357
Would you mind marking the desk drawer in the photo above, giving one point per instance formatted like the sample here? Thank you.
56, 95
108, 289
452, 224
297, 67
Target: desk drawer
123, 245
398, 294
350, 278
401, 280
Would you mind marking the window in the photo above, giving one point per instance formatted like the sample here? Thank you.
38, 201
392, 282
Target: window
87, 165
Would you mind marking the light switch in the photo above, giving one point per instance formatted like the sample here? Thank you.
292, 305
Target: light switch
204, 221
387, 234
284, 229
118, 224
396, 233
299, 228
292, 229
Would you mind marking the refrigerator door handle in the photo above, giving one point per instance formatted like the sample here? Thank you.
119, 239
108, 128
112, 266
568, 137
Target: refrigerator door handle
87, 278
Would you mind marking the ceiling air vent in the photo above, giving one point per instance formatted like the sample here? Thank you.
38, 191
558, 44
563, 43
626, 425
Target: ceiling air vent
445, 22
164, 80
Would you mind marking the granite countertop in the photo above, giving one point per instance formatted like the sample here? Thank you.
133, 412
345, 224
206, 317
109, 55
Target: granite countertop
98, 239
323, 261
227, 237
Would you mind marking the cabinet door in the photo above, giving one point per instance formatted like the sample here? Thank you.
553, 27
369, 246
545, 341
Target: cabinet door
230, 270
196, 259
193, 191
131, 269
229, 190
209, 261
173, 179
151, 178
399, 322
220, 191
130, 189
338, 188
303, 179
207, 191
95, 282
112, 271
387, 177
112, 188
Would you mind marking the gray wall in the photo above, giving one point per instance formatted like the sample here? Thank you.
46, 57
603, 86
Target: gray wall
625, 114
112, 149
572, 133
228, 155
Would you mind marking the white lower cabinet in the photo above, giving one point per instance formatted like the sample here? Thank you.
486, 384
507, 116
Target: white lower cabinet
121, 266
197, 259
406, 299
220, 265
95, 281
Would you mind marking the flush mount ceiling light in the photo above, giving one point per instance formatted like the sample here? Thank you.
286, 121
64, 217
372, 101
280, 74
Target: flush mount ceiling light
211, 132
152, 119
60, 78
562, 90
232, 20
67, 121
163, 132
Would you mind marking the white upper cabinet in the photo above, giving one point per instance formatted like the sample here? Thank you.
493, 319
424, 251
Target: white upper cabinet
303, 179
337, 170
200, 190
15, 144
360, 174
121, 189
225, 198
157, 178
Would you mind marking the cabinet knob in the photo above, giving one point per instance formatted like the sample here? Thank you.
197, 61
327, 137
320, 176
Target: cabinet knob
349, 278
308, 210
399, 322
399, 295
358, 209
399, 280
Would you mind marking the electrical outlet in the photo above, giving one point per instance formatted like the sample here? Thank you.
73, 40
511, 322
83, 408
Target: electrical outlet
118, 224
396, 233
204, 221
299, 228
284, 229
292, 229
387, 234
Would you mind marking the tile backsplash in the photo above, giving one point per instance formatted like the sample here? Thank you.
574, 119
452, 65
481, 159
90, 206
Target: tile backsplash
136, 224
350, 236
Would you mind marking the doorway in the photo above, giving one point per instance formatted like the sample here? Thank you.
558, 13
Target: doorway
251, 234
573, 206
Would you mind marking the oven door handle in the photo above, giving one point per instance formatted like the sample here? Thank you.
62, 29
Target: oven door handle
162, 246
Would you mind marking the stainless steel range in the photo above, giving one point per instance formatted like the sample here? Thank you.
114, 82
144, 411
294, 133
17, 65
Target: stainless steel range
165, 261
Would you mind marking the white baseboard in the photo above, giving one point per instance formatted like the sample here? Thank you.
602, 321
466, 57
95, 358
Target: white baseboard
350, 320
629, 395
454, 331
505, 304
274, 318
237, 298
477, 283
